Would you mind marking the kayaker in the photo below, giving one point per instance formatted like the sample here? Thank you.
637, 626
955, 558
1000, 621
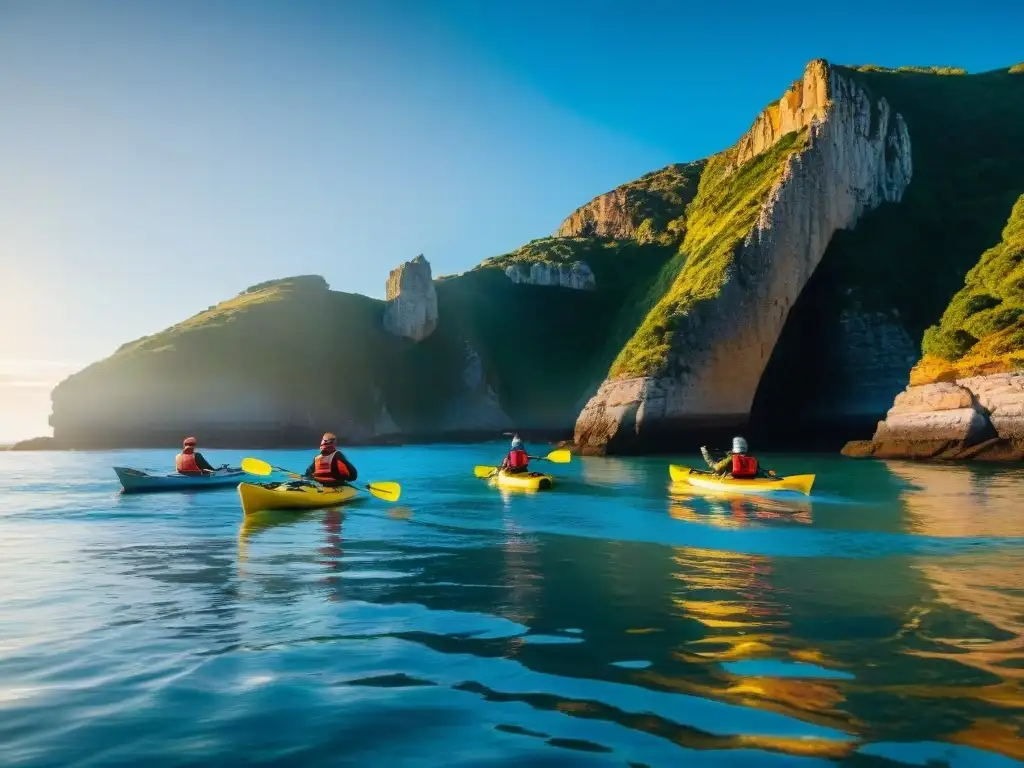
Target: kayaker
517, 460
736, 463
330, 467
188, 462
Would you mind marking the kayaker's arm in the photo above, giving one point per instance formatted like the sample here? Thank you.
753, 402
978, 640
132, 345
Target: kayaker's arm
707, 456
352, 473
203, 464
310, 470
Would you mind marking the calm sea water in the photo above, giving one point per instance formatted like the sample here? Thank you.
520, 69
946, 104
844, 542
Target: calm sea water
613, 621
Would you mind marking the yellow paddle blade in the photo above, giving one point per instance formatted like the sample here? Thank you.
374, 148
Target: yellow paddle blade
561, 456
257, 467
385, 490
481, 471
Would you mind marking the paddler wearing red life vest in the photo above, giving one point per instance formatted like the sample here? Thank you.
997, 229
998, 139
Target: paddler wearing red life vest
188, 462
736, 463
517, 460
330, 467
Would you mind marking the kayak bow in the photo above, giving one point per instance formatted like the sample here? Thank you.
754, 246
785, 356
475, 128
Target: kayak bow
706, 480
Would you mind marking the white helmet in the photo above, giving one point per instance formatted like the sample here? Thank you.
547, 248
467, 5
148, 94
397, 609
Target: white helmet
516, 442
739, 445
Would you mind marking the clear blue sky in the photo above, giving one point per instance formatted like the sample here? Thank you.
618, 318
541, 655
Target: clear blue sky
158, 157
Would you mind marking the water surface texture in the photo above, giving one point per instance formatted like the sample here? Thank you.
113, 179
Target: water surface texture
614, 621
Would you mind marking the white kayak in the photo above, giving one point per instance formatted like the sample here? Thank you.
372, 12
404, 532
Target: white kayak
139, 481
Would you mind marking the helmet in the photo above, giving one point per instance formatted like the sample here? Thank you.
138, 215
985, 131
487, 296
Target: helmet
739, 445
189, 441
329, 438
516, 442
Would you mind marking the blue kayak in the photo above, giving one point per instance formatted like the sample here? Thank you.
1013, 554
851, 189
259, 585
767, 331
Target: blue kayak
139, 481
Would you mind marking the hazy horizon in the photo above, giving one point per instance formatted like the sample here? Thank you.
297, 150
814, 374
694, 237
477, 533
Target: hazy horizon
161, 157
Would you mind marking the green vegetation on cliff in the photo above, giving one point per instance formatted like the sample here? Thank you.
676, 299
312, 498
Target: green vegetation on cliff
722, 214
286, 339
542, 348
983, 326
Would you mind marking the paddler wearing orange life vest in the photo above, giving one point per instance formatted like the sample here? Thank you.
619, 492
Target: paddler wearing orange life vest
736, 463
517, 460
188, 462
330, 467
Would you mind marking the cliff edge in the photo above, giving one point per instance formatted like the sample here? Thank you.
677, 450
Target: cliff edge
765, 211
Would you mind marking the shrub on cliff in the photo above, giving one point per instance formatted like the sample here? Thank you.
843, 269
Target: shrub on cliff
948, 345
985, 319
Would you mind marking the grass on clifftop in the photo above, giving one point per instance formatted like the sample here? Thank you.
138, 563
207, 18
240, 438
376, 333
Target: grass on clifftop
982, 329
723, 213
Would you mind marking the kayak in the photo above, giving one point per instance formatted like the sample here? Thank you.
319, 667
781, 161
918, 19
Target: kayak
700, 479
269, 496
531, 481
139, 481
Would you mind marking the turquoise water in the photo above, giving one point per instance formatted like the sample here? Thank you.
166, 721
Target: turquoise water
613, 621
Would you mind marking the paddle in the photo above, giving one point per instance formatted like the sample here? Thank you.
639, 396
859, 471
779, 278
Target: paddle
561, 456
385, 491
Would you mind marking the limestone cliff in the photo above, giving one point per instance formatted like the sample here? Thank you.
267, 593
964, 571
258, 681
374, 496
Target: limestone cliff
698, 357
411, 310
700, 292
577, 275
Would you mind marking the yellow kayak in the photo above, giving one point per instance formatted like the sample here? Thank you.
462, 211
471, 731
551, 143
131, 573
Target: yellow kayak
530, 481
798, 483
261, 497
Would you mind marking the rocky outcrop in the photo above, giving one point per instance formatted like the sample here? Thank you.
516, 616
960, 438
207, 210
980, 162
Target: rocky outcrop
857, 156
606, 215
639, 209
411, 310
980, 417
576, 275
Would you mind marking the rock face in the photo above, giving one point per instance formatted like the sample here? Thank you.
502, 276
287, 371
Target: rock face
576, 275
477, 409
605, 216
857, 157
978, 417
411, 311
655, 198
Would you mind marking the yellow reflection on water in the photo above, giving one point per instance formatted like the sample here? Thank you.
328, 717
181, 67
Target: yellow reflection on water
962, 501
745, 617
723, 509
522, 577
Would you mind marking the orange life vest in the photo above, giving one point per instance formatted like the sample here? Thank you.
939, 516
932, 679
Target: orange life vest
185, 463
744, 467
322, 468
518, 459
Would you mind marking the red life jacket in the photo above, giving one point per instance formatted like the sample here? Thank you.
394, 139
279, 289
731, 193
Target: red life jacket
322, 468
185, 463
518, 459
744, 467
